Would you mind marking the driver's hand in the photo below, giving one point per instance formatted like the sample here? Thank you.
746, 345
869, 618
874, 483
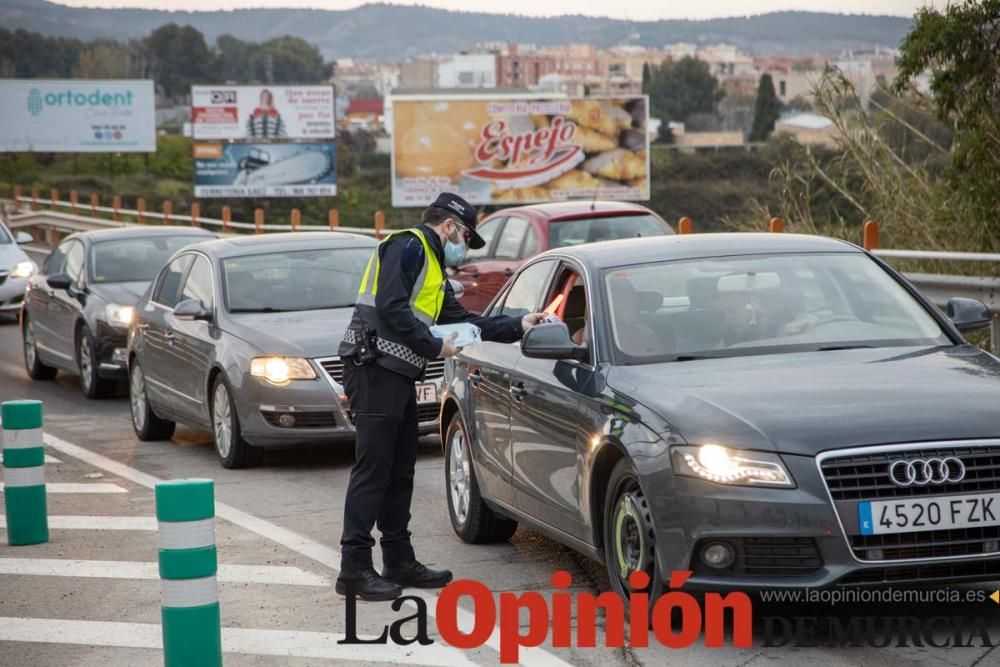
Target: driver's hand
531, 319
448, 347
797, 326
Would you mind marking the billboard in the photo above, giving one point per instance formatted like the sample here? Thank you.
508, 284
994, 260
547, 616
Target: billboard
77, 116
264, 170
501, 150
262, 113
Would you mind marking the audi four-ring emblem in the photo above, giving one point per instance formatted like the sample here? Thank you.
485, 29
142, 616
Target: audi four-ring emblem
922, 472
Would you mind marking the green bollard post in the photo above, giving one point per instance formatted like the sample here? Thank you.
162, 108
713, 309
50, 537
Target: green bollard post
192, 635
24, 473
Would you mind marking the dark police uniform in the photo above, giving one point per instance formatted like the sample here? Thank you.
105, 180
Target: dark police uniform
382, 393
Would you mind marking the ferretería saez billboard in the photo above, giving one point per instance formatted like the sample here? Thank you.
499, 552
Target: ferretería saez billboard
77, 116
497, 150
264, 170
262, 113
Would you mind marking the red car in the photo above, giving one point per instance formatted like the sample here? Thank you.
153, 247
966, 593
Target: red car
513, 235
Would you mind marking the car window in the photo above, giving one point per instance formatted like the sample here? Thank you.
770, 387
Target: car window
198, 284
509, 244
168, 287
761, 304
54, 262
134, 259
525, 294
74, 262
608, 228
487, 230
530, 248
5, 238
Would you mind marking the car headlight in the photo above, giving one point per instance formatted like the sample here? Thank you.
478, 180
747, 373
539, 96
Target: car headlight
279, 370
737, 467
118, 315
24, 269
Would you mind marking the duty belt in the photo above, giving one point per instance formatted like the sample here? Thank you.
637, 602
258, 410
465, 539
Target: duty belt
397, 350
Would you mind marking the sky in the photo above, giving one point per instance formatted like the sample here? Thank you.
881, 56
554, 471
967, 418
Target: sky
639, 10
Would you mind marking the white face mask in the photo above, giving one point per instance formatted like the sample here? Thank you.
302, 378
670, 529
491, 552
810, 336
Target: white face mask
454, 251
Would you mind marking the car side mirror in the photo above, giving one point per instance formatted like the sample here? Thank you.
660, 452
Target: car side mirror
23, 237
968, 314
457, 287
191, 309
551, 341
59, 281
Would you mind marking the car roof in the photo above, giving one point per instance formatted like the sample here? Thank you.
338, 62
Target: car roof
624, 252
140, 231
237, 246
576, 208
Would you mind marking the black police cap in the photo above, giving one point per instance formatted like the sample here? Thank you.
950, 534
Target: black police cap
463, 211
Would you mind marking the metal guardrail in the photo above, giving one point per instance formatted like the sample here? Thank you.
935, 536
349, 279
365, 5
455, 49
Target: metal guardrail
939, 288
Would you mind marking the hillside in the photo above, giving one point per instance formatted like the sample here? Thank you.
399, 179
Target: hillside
384, 31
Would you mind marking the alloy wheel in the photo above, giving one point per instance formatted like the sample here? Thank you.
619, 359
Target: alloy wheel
222, 420
458, 469
86, 363
137, 396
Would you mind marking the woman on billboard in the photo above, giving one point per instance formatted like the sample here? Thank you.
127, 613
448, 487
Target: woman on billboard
265, 122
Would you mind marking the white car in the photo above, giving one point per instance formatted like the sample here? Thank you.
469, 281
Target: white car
15, 269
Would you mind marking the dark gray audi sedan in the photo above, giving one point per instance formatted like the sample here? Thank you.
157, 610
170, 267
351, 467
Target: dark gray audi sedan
766, 410
239, 336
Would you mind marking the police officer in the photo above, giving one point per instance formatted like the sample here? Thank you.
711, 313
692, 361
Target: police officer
385, 350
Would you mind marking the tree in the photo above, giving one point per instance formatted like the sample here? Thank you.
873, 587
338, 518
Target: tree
679, 89
647, 77
179, 57
961, 49
766, 110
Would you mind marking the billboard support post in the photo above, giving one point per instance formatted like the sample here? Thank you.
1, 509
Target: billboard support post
95, 201
195, 214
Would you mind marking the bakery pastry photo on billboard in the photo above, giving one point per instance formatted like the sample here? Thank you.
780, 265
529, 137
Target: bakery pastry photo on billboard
520, 150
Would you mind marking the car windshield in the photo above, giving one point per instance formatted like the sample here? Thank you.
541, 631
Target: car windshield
134, 259
5, 238
587, 230
294, 280
734, 306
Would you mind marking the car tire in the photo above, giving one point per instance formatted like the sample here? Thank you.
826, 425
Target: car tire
91, 383
32, 362
629, 540
233, 451
473, 521
146, 424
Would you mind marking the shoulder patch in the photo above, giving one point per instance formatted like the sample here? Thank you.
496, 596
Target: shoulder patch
412, 256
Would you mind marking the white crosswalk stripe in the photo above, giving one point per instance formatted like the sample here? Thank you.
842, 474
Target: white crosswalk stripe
96, 487
73, 522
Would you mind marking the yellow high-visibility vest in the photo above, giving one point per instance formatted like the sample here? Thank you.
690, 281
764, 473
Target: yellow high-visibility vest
427, 296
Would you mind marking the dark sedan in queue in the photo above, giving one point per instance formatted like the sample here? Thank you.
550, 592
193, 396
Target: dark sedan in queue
239, 337
78, 308
765, 410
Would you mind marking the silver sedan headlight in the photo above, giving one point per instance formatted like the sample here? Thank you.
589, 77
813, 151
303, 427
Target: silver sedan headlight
736, 467
281, 370
24, 269
118, 315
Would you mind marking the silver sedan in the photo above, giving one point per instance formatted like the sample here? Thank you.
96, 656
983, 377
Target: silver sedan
239, 336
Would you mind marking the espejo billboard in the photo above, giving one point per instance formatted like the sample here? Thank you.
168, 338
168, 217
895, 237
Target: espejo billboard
262, 113
223, 169
499, 150
77, 116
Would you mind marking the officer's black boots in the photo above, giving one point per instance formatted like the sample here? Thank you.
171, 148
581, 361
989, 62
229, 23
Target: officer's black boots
368, 586
414, 574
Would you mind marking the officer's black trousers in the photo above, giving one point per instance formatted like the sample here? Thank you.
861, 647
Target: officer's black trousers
381, 487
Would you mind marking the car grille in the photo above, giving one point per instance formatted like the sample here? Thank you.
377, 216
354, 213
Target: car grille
974, 570
928, 544
334, 366
866, 476
428, 412
765, 556
302, 419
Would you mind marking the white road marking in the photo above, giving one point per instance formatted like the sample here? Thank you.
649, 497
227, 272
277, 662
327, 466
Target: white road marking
113, 569
321, 553
51, 459
98, 487
74, 522
248, 641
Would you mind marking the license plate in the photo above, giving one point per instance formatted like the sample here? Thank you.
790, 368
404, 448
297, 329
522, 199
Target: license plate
936, 513
427, 392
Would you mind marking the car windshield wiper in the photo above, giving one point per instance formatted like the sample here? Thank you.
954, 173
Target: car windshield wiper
266, 309
693, 357
831, 348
